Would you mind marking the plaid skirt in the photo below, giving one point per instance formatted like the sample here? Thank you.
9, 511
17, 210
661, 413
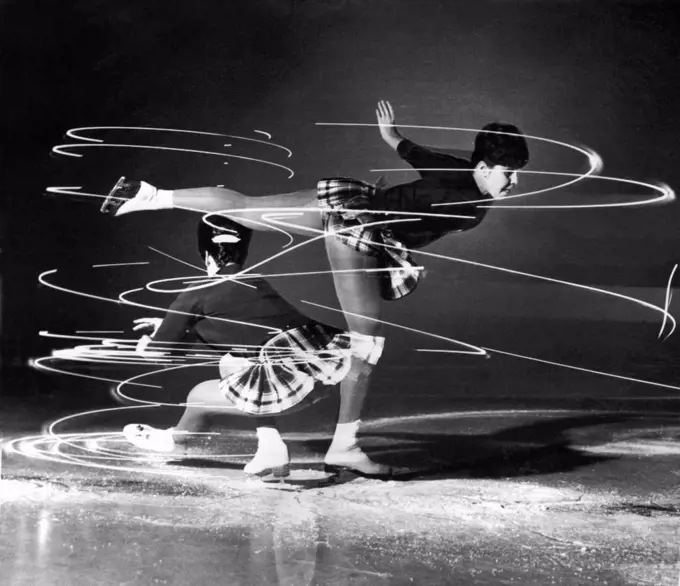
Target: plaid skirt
290, 364
347, 208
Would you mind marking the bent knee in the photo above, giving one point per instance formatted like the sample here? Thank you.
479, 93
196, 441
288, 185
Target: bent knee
367, 349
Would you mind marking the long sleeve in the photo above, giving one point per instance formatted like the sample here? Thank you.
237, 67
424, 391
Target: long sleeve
176, 325
420, 158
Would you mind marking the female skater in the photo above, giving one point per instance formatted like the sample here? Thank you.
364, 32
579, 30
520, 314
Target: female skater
272, 354
370, 262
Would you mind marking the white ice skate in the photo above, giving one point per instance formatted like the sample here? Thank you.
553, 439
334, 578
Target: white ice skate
354, 459
270, 459
149, 438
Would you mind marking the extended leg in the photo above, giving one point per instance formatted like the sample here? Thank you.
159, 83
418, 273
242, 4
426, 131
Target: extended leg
132, 196
206, 399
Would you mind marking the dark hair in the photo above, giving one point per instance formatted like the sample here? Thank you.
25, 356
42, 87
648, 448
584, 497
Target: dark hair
223, 252
496, 148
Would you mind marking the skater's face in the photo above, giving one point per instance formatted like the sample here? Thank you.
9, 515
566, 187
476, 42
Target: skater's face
497, 181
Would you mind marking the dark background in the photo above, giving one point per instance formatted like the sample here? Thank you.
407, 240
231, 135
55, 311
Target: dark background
602, 74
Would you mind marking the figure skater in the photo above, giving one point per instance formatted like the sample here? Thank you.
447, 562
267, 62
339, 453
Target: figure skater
370, 262
273, 355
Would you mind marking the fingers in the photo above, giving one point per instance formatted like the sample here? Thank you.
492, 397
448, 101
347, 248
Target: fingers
141, 327
380, 112
385, 112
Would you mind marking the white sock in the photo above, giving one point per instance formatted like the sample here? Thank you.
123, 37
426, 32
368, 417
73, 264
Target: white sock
164, 198
268, 436
146, 190
345, 434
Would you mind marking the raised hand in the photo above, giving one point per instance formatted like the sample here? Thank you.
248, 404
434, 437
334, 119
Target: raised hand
385, 115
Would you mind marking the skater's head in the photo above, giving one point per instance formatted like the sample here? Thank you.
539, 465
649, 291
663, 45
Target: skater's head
222, 242
500, 150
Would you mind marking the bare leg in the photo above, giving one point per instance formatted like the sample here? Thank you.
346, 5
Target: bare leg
216, 199
358, 293
206, 399
359, 296
305, 222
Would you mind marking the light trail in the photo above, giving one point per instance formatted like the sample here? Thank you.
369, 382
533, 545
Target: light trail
120, 264
59, 149
73, 133
669, 296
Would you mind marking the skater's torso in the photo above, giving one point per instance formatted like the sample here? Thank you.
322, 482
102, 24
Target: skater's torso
452, 184
230, 314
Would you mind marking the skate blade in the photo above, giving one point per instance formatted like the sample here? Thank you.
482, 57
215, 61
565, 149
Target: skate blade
112, 202
346, 471
273, 474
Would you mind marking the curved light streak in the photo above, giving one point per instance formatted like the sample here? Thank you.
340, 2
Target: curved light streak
123, 299
290, 153
551, 280
666, 192
669, 296
591, 155
228, 215
43, 281
73, 133
38, 363
594, 160
58, 149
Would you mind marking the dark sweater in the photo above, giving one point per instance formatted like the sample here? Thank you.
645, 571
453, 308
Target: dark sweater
205, 311
433, 187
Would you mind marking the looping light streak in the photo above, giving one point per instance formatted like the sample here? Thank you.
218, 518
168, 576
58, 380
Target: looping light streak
551, 280
595, 164
132, 381
73, 133
59, 149
594, 160
123, 298
39, 363
290, 153
230, 215
273, 218
669, 296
